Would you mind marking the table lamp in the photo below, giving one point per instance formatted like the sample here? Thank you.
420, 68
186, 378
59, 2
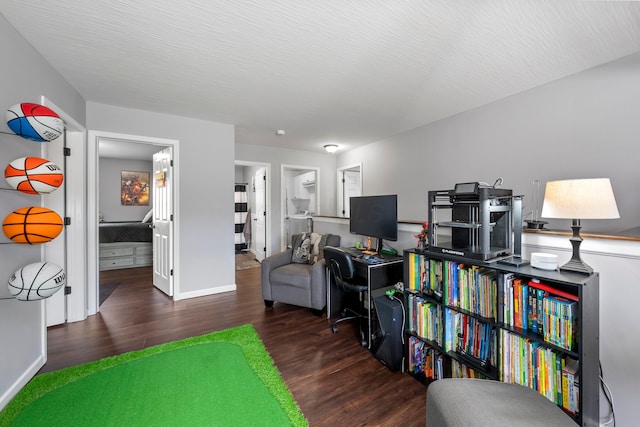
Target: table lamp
578, 199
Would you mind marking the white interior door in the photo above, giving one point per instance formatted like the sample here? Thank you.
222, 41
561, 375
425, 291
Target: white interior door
163, 221
349, 185
352, 188
258, 234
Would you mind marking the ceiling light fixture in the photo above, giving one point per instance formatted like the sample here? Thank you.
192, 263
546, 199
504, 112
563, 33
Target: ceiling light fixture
331, 148
280, 132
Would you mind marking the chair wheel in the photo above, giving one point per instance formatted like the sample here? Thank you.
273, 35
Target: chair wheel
334, 328
363, 340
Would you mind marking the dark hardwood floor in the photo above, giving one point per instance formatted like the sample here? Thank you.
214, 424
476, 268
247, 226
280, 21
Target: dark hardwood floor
335, 381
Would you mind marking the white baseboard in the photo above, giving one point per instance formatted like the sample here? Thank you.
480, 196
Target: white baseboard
205, 292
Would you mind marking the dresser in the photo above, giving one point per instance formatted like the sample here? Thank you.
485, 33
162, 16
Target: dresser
125, 255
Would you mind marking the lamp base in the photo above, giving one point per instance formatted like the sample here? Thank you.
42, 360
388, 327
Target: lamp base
577, 266
575, 263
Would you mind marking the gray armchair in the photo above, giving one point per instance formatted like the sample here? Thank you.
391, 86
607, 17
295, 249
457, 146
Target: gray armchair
296, 283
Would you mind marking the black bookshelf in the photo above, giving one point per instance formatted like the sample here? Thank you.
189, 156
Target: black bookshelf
582, 324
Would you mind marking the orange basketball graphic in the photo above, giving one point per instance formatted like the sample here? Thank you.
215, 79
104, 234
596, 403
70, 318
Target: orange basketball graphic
33, 175
32, 225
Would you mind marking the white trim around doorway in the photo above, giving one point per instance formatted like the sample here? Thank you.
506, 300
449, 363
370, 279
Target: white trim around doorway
93, 273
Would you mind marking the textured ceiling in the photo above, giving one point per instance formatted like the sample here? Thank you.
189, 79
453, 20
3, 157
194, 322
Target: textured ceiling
343, 71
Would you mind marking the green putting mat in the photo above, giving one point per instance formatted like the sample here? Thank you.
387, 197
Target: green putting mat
225, 378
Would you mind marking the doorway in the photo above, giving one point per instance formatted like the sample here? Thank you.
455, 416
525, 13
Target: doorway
253, 231
349, 185
300, 187
128, 148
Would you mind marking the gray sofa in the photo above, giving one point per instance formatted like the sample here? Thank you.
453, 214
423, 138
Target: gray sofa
300, 284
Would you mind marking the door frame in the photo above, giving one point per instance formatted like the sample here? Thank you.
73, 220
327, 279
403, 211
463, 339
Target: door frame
267, 201
93, 271
74, 243
284, 168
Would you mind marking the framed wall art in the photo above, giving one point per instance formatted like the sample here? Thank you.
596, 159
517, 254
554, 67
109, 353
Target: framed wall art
134, 188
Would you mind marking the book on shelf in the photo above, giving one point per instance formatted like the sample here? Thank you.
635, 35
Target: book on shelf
469, 336
421, 278
424, 359
460, 370
570, 386
532, 308
435, 277
531, 364
559, 321
552, 291
424, 318
468, 287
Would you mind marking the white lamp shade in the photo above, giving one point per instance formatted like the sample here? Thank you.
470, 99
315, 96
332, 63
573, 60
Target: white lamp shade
580, 199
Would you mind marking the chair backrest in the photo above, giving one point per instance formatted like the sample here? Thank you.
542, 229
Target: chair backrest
332, 239
341, 267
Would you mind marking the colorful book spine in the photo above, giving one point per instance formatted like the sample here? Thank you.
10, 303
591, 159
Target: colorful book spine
553, 291
531, 364
559, 321
459, 370
472, 289
424, 359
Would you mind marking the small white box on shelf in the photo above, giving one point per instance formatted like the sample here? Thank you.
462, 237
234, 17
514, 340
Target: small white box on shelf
544, 261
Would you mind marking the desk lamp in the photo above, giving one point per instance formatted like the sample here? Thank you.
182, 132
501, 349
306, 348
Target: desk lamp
578, 199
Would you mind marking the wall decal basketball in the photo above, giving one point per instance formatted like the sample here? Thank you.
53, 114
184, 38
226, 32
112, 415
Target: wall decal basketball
33, 175
32, 225
36, 281
35, 122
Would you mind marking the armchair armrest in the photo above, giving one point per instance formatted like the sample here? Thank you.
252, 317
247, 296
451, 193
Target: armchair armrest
268, 264
277, 260
318, 282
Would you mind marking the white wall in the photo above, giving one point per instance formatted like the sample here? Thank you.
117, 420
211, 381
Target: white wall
24, 77
109, 189
276, 157
204, 188
581, 126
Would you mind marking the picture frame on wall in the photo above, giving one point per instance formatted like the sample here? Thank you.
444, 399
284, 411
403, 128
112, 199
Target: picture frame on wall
134, 188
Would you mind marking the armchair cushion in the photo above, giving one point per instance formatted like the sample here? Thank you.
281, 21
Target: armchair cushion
308, 247
296, 275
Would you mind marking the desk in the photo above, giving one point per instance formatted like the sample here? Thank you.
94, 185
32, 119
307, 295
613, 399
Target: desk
379, 277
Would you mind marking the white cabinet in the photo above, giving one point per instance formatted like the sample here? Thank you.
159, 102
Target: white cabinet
125, 255
303, 185
308, 179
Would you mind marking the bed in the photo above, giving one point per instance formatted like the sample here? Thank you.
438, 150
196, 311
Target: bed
125, 245
111, 232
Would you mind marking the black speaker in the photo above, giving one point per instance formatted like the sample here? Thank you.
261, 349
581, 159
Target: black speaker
389, 349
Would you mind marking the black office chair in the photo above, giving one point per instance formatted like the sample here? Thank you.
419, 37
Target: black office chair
342, 274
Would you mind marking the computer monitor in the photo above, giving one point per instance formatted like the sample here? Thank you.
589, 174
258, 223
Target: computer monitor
374, 216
